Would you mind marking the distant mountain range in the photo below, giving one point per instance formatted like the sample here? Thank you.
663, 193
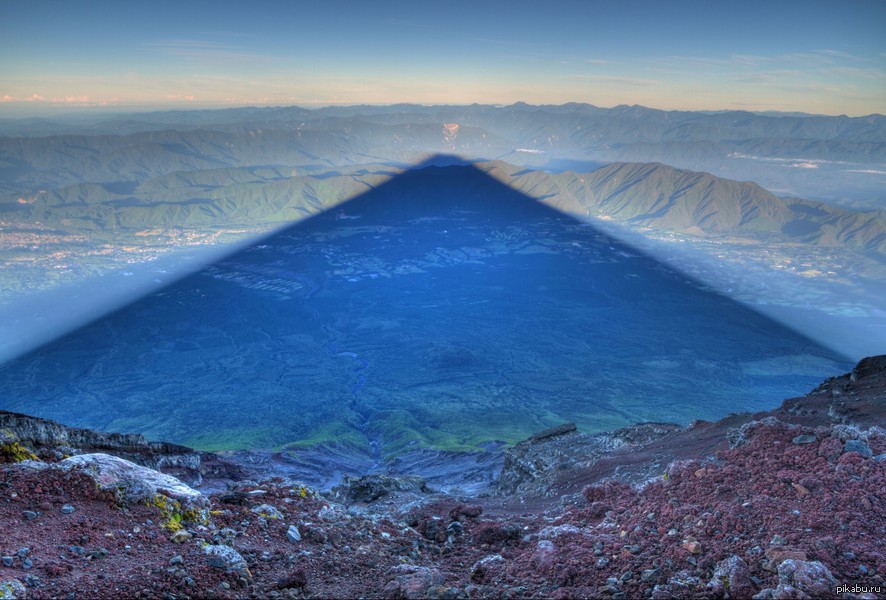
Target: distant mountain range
784, 210
839, 159
638, 194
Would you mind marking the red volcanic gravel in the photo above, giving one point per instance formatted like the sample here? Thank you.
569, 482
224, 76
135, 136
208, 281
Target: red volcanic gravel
765, 501
741, 513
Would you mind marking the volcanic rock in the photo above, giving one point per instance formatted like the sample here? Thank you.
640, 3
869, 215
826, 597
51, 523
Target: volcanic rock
411, 582
810, 577
48, 437
132, 482
622, 537
369, 488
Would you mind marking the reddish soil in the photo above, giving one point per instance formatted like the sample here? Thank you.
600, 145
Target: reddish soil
774, 496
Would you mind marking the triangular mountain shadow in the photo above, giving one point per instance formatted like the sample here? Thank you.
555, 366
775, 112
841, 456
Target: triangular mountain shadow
441, 308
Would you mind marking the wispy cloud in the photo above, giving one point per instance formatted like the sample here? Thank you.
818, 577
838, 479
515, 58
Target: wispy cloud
75, 100
613, 80
868, 171
694, 62
861, 73
840, 54
812, 59
205, 52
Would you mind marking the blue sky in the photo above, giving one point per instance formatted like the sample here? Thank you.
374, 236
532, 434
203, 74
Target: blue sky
820, 57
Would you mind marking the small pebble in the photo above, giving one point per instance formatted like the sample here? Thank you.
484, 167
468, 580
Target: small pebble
803, 439
650, 574
7, 561
30, 515
67, 509
176, 560
181, 536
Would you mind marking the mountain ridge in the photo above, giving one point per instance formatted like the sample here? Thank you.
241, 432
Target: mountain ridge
644, 194
764, 148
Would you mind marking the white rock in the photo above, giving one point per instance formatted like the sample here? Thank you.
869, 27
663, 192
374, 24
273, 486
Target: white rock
293, 534
134, 483
267, 511
224, 557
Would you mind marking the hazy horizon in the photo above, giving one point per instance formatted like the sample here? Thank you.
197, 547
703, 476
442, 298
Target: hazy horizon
811, 57
66, 111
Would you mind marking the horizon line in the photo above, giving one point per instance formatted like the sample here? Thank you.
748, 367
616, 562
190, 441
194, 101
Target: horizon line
68, 110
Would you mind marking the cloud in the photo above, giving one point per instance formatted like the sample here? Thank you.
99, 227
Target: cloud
746, 61
815, 59
204, 52
856, 72
613, 80
868, 171
32, 98
74, 100
839, 54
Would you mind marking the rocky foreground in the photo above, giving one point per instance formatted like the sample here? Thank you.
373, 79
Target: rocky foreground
785, 504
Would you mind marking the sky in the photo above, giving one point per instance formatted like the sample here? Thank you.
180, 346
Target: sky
76, 56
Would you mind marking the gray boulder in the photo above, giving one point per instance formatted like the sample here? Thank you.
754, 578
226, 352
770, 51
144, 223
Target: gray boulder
132, 482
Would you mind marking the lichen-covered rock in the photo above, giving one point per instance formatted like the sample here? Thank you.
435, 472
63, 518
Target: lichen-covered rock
11, 449
42, 435
13, 589
132, 482
267, 511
